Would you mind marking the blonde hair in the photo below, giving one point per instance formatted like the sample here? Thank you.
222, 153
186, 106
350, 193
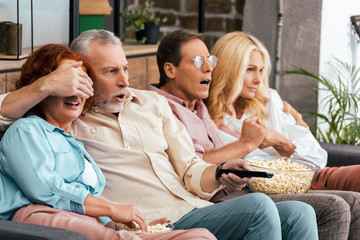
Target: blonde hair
233, 52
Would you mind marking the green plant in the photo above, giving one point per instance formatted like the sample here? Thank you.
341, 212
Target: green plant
340, 103
136, 18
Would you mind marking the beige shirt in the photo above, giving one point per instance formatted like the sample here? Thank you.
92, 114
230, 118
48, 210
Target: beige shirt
146, 155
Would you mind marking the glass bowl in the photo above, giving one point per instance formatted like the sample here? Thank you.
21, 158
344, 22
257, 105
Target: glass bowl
291, 175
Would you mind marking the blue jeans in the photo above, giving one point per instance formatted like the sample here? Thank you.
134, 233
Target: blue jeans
254, 216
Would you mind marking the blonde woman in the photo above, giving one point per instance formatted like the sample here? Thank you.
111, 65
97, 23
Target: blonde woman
240, 90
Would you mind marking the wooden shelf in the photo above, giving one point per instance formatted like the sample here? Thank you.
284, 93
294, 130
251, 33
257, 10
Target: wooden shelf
94, 7
140, 49
13, 57
25, 53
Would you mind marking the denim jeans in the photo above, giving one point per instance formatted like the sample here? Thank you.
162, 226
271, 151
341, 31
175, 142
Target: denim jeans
254, 216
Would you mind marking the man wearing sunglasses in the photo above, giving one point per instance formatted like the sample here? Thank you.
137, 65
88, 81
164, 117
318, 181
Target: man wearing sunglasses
185, 67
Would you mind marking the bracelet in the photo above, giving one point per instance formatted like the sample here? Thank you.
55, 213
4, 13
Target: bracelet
217, 171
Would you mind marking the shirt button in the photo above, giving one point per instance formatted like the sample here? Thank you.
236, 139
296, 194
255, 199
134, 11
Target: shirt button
153, 125
156, 169
93, 130
128, 147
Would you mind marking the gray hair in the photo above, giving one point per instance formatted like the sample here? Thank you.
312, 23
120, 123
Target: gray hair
80, 44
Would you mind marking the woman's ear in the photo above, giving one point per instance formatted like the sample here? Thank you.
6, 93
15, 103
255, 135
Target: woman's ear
169, 70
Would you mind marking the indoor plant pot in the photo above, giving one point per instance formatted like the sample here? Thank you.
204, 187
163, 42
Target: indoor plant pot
150, 33
143, 22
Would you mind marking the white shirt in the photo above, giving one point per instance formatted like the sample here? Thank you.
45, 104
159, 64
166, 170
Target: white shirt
307, 147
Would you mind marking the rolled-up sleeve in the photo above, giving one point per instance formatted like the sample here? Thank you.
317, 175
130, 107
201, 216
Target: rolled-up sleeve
307, 147
181, 153
28, 159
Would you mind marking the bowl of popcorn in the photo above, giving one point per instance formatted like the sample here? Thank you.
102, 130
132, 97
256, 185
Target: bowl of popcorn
291, 176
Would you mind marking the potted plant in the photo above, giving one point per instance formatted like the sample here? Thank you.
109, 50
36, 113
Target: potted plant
145, 24
341, 103
341, 135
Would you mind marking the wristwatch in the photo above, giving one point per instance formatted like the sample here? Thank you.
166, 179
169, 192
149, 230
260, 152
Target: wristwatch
217, 171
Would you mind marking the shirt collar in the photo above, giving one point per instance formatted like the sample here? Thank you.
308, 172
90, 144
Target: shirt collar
133, 98
156, 88
49, 127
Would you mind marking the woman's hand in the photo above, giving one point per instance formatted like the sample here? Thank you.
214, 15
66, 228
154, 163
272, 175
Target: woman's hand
233, 182
297, 116
126, 214
278, 141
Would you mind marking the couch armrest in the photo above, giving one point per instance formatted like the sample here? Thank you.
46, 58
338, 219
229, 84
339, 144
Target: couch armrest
341, 154
20, 231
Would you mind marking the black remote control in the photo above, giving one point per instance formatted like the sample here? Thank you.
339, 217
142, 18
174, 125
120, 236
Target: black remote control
244, 173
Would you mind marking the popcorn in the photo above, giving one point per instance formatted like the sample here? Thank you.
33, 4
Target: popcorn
289, 176
151, 229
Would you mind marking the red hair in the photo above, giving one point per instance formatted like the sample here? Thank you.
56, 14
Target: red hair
44, 61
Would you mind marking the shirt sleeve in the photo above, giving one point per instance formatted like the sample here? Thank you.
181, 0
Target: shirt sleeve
105, 220
307, 147
29, 161
4, 122
181, 153
199, 150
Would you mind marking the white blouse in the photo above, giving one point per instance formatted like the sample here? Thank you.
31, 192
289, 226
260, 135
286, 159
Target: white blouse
89, 175
307, 147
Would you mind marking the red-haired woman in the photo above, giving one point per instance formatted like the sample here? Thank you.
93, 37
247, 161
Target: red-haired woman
46, 175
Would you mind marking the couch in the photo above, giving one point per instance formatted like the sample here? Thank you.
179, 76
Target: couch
22, 231
341, 154
338, 155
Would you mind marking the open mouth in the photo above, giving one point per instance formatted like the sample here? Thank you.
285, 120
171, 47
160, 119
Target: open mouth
205, 82
121, 96
72, 103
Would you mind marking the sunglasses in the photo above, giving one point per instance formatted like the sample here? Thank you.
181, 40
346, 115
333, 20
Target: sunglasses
200, 60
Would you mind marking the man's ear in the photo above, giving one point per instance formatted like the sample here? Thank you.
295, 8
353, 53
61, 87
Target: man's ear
169, 70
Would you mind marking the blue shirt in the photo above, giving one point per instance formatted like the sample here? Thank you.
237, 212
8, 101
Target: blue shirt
40, 163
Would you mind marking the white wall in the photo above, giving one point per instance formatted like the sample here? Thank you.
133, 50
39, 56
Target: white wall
337, 37
51, 20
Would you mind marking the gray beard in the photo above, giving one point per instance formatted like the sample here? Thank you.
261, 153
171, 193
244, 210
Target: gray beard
105, 105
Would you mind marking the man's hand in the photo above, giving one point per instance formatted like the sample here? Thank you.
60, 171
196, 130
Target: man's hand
159, 221
231, 181
297, 116
67, 80
253, 132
